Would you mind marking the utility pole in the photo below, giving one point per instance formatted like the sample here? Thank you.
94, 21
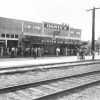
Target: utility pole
93, 32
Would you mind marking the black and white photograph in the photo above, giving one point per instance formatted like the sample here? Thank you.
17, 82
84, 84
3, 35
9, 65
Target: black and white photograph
49, 49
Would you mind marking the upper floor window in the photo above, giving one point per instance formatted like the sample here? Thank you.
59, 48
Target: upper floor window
2, 35
16, 36
12, 35
7, 35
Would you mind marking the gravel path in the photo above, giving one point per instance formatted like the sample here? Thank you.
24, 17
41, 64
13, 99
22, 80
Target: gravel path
91, 93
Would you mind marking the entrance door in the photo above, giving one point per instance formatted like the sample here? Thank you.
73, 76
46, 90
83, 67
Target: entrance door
12, 43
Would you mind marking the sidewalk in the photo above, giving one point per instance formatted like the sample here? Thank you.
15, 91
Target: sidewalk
15, 62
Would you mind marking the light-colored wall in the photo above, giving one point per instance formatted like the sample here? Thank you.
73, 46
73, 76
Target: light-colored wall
10, 26
23, 28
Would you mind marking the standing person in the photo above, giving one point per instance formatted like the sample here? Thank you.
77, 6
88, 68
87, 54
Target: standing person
98, 52
2, 51
78, 53
26, 52
32, 51
12, 52
16, 52
39, 51
8, 51
66, 51
82, 54
35, 52
57, 51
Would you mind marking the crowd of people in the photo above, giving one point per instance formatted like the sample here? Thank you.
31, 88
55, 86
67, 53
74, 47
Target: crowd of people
66, 51
39, 51
80, 54
19, 52
33, 52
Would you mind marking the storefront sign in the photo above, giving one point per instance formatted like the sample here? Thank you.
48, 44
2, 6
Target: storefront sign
52, 29
63, 41
56, 26
32, 28
45, 40
48, 41
75, 33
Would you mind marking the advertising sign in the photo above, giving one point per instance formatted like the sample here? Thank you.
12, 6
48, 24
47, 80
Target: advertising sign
51, 29
32, 28
75, 33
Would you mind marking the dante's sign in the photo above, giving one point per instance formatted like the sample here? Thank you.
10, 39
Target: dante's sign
56, 26
60, 30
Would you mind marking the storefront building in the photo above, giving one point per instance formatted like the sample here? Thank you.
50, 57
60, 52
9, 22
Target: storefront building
61, 34
46, 35
10, 31
31, 31
49, 36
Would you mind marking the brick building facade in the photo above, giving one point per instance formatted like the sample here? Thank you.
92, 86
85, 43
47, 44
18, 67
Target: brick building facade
47, 35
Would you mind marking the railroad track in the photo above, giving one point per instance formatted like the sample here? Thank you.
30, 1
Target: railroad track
68, 66
20, 69
48, 89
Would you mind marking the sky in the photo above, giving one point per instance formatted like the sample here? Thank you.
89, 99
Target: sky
71, 12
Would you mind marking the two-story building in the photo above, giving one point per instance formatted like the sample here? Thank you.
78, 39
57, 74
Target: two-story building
49, 36
46, 35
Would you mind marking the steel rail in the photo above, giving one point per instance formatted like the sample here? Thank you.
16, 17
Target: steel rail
26, 86
24, 69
